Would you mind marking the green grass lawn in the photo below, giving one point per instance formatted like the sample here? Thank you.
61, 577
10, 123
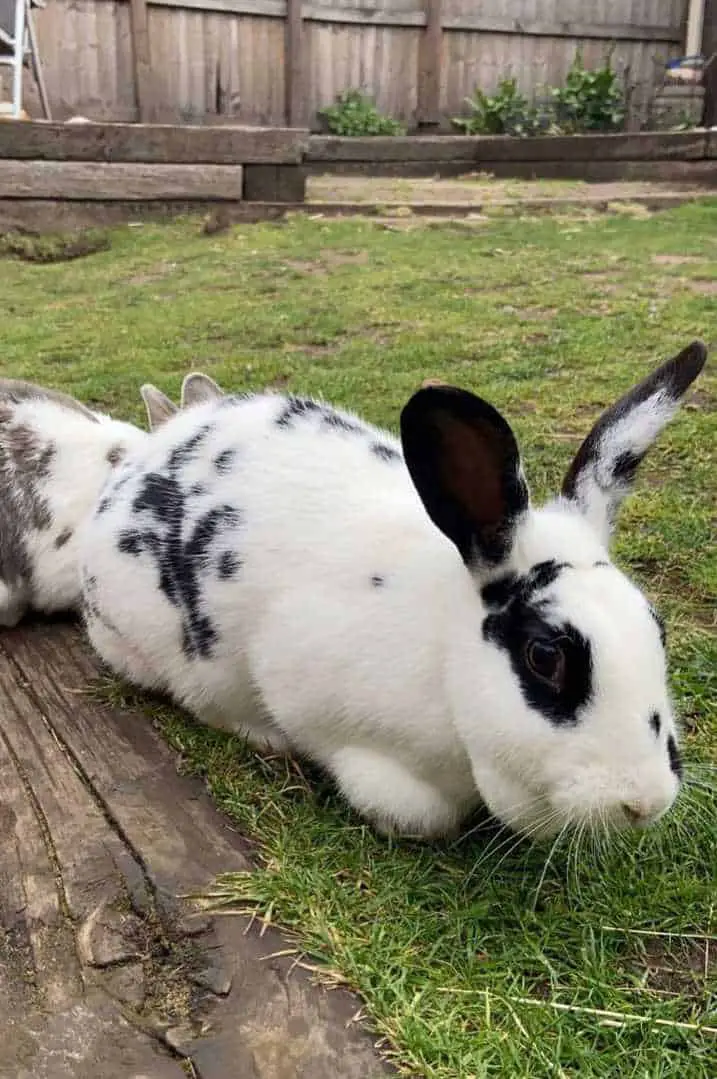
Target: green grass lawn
473, 958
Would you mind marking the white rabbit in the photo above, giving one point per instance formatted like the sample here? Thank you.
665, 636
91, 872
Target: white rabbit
399, 611
55, 455
197, 388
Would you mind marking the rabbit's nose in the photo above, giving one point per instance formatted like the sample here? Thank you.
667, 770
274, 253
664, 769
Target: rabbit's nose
637, 813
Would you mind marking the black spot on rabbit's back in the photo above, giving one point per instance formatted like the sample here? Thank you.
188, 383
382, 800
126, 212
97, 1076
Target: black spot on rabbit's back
330, 418
295, 408
184, 545
224, 461
228, 565
378, 581
115, 455
63, 538
384, 452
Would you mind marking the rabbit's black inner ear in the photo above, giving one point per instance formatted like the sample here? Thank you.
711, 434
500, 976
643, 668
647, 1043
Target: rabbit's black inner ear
464, 462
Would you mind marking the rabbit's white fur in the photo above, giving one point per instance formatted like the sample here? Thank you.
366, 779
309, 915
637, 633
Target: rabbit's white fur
55, 455
302, 595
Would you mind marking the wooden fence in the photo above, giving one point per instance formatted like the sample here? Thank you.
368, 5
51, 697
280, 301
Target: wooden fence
276, 62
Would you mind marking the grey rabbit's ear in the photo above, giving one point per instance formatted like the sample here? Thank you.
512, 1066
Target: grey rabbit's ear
198, 388
16, 391
158, 405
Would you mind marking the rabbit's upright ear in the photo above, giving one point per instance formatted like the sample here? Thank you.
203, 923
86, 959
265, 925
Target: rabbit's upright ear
158, 405
198, 388
465, 464
604, 468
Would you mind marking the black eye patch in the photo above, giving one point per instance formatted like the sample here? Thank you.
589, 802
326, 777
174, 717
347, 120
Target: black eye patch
519, 626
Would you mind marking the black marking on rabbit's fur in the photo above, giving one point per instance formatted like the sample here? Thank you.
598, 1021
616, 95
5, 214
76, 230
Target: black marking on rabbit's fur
115, 454
331, 418
63, 537
224, 461
660, 625
112, 486
625, 466
182, 560
675, 757
503, 590
228, 565
24, 461
520, 623
384, 452
301, 408
656, 723
518, 617
378, 581
296, 408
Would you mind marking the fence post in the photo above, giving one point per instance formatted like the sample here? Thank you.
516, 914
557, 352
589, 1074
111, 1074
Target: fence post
141, 60
429, 67
709, 51
295, 103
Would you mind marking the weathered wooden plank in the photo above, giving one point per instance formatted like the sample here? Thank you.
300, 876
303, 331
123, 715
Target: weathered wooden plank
141, 63
429, 66
711, 143
274, 183
296, 107
82, 180
153, 143
479, 23
476, 150
689, 172
213, 989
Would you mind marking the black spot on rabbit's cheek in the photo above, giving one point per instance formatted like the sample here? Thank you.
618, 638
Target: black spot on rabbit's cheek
378, 581
656, 723
197, 490
115, 455
296, 408
228, 566
520, 630
384, 452
64, 537
601, 564
103, 505
224, 461
675, 757
626, 465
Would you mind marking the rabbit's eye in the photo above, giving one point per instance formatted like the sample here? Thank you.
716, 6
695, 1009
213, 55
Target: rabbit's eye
546, 660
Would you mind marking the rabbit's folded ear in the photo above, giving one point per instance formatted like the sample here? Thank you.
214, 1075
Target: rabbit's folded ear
604, 468
198, 388
465, 464
158, 405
